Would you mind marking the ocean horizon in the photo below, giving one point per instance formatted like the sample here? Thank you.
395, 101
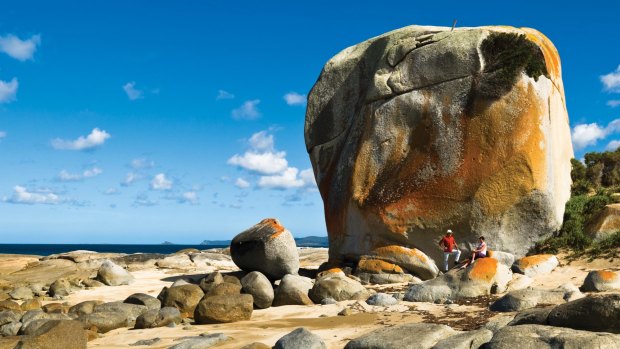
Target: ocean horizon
49, 249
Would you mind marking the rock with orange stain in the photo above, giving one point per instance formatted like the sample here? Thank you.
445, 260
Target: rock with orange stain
267, 247
484, 277
605, 224
376, 271
601, 281
412, 260
538, 264
338, 287
423, 129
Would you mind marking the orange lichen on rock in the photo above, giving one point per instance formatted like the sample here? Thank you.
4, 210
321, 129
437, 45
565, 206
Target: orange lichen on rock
483, 269
530, 261
396, 251
377, 266
275, 225
607, 275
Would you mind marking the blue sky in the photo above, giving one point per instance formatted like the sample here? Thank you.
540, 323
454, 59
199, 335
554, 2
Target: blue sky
145, 121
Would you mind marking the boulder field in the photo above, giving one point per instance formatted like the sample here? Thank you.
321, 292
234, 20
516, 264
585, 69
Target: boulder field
424, 129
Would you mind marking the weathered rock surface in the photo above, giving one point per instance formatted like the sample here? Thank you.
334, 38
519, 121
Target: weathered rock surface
606, 223
184, 297
548, 337
484, 277
225, 288
539, 264
104, 321
83, 308
409, 336
382, 300
465, 340
60, 288
202, 342
600, 281
599, 313
210, 281
10, 329
394, 121
226, 308
267, 247
257, 284
175, 261
31, 304
536, 316
159, 318
411, 260
529, 298
144, 299
54, 334
300, 339
129, 311
293, 290
21, 293
112, 274
338, 286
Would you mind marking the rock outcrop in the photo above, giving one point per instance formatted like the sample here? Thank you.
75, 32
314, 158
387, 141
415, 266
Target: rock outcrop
423, 129
267, 247
538, 264
606, 223
485, 276
112, 274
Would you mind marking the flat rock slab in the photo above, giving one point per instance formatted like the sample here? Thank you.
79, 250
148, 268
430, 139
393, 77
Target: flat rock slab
409, 336
548, 337
202, 342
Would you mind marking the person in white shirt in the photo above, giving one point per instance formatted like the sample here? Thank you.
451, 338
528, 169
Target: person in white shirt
480, 251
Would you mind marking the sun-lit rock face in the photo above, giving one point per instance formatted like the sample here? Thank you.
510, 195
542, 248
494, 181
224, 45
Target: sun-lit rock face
424, 129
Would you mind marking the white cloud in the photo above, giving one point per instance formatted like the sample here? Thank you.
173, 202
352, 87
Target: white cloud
611, 81
287, 179
132, 92
263, 163
261, 157
160, 182
587, 134
22, 196
261, 141
130, 178
613, 103
242, 183
189, 197
221, 94
66, 176
95, 139
2, 134
142, 163
247, 111
294, 98
19, 49
8, 90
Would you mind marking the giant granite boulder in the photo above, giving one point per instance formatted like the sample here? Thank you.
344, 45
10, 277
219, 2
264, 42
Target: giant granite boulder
426, 128
267, 247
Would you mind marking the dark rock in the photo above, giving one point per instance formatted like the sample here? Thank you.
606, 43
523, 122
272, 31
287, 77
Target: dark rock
408, 336
185, 298
159, 318
210, 281
300, 339
293, 290
600, 313
150, 302
55, 334
548, 337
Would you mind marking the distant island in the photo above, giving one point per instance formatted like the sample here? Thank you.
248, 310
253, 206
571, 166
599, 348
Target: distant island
308, 241
167, 243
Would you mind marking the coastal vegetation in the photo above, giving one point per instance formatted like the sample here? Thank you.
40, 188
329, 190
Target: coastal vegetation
596, 184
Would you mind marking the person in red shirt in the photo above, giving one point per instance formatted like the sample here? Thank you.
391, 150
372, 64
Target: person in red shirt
449, 246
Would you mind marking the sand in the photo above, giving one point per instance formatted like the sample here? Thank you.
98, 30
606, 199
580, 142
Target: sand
268, 325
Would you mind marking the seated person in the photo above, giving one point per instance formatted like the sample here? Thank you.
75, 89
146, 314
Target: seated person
480, 251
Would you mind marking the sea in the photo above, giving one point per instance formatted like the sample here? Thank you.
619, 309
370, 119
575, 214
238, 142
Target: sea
48, 249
